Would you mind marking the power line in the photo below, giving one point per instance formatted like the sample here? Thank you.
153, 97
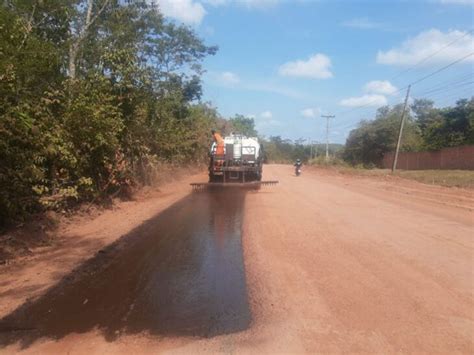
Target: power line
438, 87
346, 126
441, 69
451, 81
443, 98
454, 79
445, 88
431, 55
447, 91
370, 103
422, 95
438, 97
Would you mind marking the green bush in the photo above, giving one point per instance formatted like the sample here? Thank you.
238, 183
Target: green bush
89, 110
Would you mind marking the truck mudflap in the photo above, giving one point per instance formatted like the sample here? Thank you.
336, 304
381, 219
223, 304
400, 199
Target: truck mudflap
255, 185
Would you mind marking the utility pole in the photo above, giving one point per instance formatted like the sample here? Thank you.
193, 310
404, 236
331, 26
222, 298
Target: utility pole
402, 122
327, 117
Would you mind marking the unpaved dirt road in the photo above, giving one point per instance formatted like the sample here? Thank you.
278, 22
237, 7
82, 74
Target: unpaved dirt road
320, 263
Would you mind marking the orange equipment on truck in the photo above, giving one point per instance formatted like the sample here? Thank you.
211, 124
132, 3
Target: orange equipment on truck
235, 160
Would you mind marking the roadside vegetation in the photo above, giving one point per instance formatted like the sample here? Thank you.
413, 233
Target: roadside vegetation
426, 128
96, 97
279, 150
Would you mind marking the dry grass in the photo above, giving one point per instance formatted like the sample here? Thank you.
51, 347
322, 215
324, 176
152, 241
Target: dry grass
458, 178
449, 178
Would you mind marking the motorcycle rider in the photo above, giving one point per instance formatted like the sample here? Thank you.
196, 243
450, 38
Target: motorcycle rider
297, 166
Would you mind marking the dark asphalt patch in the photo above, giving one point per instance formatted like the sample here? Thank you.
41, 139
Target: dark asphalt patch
180, 273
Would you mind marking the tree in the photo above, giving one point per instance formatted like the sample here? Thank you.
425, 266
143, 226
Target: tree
93, 94
86, 14
450, 127
425, 113
244, 125
368, 143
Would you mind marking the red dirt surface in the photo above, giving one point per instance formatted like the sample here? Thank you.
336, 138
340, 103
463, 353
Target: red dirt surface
334, 263
80, 238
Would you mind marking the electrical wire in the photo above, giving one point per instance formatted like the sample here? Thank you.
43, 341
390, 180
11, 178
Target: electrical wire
441, 69
370, 103
431, 55
440, 96
445, 88
452, 81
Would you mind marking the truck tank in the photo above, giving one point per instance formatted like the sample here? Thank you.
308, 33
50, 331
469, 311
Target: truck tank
241, 162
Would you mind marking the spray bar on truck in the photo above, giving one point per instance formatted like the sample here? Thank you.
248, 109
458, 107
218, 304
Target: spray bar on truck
252, 185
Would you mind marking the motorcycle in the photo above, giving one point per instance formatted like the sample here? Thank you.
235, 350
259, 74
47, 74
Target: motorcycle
297, 170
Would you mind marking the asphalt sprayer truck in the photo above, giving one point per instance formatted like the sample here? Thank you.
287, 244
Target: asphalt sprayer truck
235, 160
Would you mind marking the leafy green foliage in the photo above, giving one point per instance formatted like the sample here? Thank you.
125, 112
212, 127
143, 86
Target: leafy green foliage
448, 127
130, 103
278, 150
244, 125
368, 143
427, 128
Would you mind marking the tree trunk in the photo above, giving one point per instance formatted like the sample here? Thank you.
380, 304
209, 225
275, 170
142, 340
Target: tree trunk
73, 50
76, 42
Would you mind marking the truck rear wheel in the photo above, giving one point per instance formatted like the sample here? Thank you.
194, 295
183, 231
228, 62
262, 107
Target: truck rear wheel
215, 178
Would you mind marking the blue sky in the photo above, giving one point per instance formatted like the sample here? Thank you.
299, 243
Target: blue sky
285, 63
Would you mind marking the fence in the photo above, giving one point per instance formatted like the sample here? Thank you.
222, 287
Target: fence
448, 158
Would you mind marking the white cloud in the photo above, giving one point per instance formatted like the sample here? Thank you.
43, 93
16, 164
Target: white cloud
263, 125
365, 100
187, 11
275, 89
310, 112
316, 67
361, 23
426, 43
229, 78
216, 2
376, 91
266, 115
259, 4
380, 87
457, 2
251, 4
266, 121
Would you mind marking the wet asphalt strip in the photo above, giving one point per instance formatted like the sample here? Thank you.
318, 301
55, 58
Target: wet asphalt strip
180, 273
